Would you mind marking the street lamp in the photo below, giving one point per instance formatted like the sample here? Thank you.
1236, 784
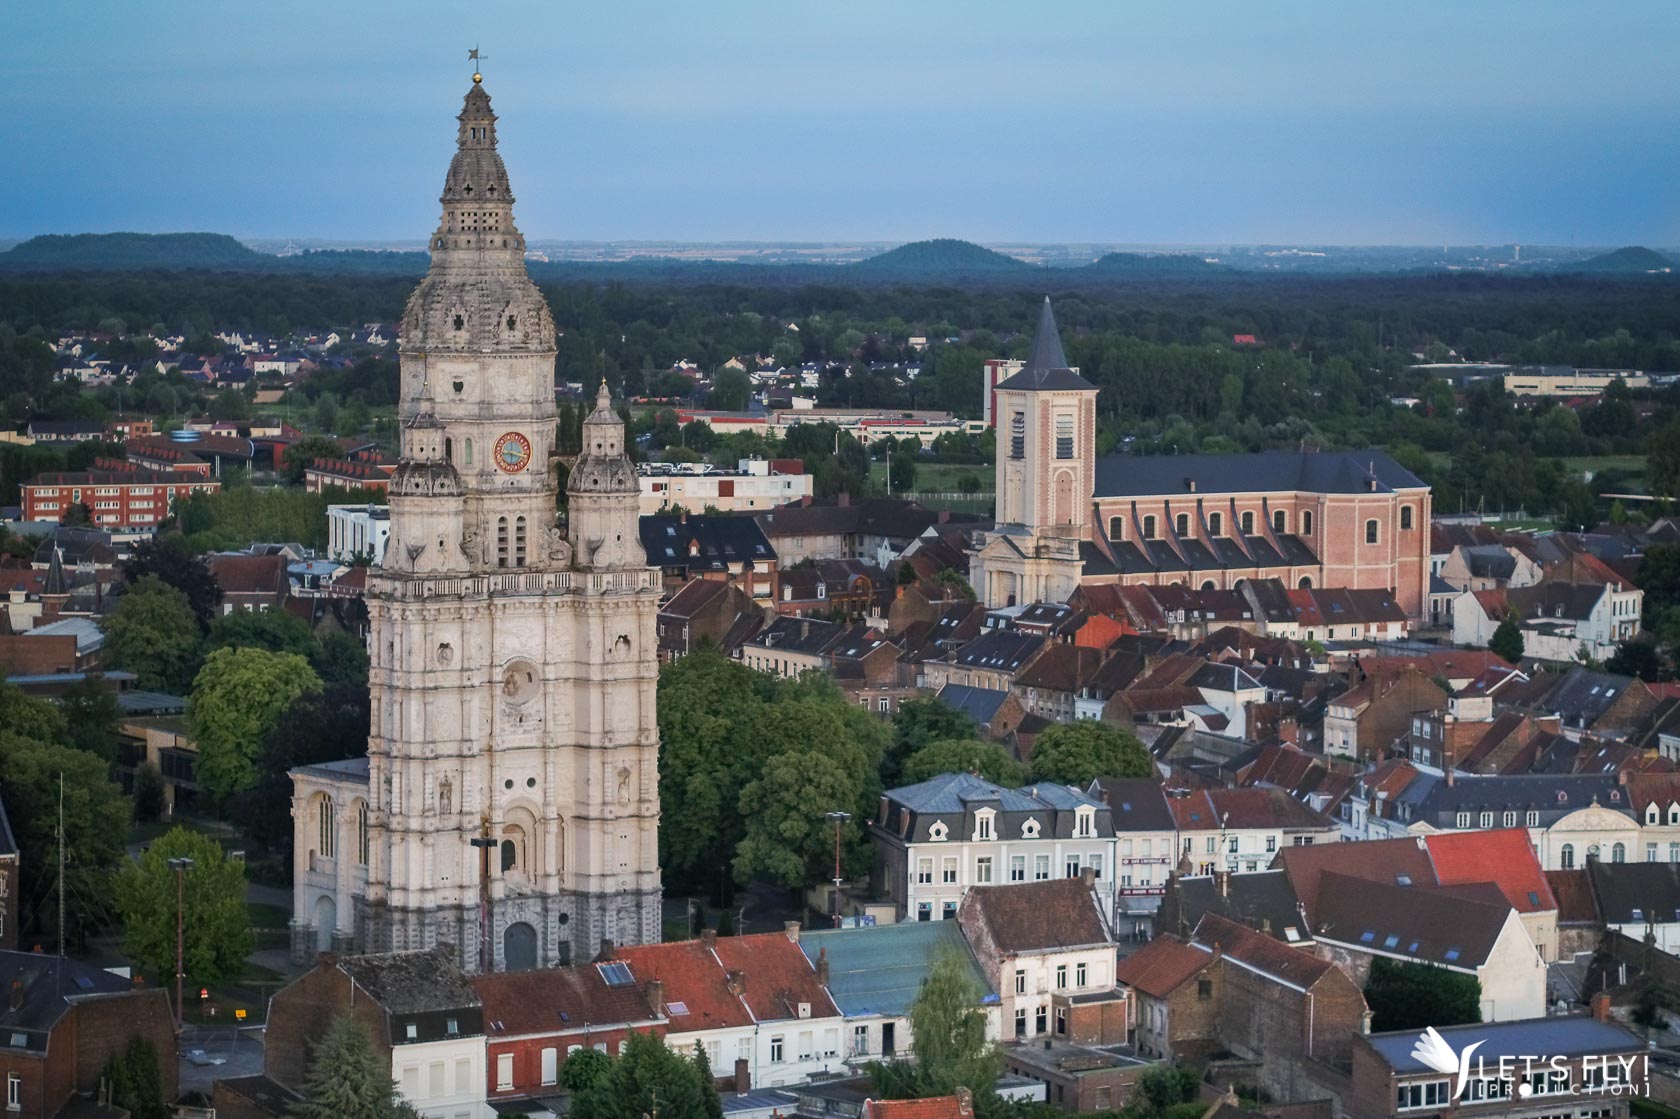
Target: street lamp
485, 844
838, 819
180, 866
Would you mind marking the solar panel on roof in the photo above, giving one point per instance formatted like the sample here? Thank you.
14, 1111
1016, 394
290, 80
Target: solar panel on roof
616, 974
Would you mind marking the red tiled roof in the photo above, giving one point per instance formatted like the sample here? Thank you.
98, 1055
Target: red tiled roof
775, 975
559, 1000
1264, 808
934, 1107
1573, 891
1161, 967
1263, 953
1503, 857
692, 976
249, 574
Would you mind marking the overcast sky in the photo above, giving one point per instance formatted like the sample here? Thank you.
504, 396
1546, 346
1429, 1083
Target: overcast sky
1302, 121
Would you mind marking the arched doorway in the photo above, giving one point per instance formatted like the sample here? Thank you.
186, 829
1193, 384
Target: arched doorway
519, 947
326, 919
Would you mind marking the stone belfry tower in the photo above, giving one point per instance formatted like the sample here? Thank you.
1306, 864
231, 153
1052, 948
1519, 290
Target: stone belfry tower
513, 664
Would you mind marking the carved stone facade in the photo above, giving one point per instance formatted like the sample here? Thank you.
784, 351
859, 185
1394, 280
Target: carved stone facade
514, 664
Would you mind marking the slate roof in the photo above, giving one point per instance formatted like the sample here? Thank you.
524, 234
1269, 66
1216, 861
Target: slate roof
951, 798
1027, 917
979, 704
1490, 561
703, 543
1376, 860
418, 988
1000, 650
1556, 1037
1262, 900
1574, 894
1635, 893
1258, 472
1551, 795
1162, 966
49, 985
880, 970
1582, 696
1139, 804
810, 636
1047, 368
1061, 668
1426, 925
693, 597
1223, 678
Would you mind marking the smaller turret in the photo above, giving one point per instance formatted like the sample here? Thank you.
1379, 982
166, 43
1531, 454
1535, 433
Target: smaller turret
603, 496
427, 529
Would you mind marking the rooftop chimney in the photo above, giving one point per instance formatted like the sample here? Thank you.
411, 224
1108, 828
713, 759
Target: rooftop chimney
1088, 875
822, 965
656, 995
708, 938
1190, 484
736, 981
792, 930
606, 952
743, 1076
1601, 1007
965, 1102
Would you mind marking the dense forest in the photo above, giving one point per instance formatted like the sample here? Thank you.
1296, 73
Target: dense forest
1330, 358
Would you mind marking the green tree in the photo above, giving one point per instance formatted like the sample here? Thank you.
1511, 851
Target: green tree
299, 455
787, 838
154, 633
235, 701
273, 630
583, 1069
963, 755
649, 1078
137, 1080
216, 927
902, 474
348, 1078
168, 558
318, 727
919, 723
1078, 753
731, 390
708, 1082
1507, 641
1408, 996
148, 793
947, 1038
91, 715
341, 661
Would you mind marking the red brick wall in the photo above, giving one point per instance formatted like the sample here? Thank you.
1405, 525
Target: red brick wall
22, 655
46, 1083
299, 1014
527, 1057
105, 1026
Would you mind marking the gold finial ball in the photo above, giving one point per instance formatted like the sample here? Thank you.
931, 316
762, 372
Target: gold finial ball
477, 78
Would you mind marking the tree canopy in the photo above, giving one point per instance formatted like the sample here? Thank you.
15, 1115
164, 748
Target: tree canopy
216, 927
154, 633
1507, 641
1408, 996
236, 699
349, 1079
963, 755
947, 1038
1077, 753
648, 1078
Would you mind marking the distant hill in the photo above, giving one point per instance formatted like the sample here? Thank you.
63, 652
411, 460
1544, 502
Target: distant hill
942, 257
122, 251
1633, 258
1149, 264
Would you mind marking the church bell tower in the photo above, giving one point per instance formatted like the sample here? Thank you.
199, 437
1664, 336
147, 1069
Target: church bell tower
511, 805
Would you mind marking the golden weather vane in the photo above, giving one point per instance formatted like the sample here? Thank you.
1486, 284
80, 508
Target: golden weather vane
474, 57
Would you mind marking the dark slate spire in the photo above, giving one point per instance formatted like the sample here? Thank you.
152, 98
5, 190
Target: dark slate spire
1047, 365
1047, 351
56, 583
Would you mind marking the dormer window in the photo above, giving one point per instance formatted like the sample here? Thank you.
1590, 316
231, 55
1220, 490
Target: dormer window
1030, 829
937, 831
983, 825
1082, 823
1674, 813
1651, 815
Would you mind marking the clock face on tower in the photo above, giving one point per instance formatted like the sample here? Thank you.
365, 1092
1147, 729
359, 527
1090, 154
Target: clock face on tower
513, 453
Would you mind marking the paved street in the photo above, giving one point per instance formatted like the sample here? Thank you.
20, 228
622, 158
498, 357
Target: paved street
239, 1052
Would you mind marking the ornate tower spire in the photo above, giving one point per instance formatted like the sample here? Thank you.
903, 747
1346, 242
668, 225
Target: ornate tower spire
603, 495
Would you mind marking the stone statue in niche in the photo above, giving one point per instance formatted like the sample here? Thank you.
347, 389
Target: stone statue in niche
624, 776
446, 797
446, 654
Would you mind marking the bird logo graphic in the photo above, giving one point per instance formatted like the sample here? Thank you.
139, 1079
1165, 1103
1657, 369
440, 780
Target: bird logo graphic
1432, 1050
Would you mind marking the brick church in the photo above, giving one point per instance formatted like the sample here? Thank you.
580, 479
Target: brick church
1067, 516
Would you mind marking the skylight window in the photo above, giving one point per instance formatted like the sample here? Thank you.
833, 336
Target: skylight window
1391, 940
1533, 898
1402, 880
20, 1041
1369, 936
616, 974
1638, 914
676, 1009
1451, 955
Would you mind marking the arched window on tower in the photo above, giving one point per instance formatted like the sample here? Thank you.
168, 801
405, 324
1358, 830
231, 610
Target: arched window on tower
328, 833
1248, 522
448, 449
1216, 524
1149, 527
1117, 528
501, 541
1280, 521
519, 542
1306, 522
468, 449
1181, 524
361, 833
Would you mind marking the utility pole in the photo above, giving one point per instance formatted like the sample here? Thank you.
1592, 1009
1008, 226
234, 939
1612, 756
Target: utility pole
180, 866
838, 819
486, 957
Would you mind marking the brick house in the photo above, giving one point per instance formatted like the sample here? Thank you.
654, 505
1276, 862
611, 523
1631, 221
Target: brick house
1047, 949
64, 1021
425, 1019
1368, 719
124, 499
701, 614
252, 583
534, 1020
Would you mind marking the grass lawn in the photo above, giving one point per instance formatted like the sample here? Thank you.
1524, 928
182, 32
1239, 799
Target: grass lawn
940, 477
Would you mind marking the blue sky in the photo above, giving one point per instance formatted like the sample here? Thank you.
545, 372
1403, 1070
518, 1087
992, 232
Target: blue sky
1322, 121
